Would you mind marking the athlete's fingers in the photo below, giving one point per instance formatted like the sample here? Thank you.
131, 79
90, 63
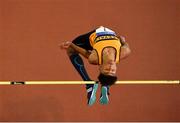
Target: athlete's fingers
123, 38
62, 46
65, 45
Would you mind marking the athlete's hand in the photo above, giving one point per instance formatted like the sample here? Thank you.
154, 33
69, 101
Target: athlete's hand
122, 39
65, 45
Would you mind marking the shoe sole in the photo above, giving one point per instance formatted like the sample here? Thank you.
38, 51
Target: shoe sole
104, 98
93, 95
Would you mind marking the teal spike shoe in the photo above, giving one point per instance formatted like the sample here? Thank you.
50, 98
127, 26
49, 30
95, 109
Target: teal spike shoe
104, 95
92, 94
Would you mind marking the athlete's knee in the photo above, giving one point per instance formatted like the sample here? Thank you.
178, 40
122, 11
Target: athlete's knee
71, 51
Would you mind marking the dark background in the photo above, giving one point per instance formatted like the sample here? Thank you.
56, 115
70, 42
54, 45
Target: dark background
30, 31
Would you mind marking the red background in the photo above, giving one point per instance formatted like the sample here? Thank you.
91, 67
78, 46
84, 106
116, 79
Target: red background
30, 31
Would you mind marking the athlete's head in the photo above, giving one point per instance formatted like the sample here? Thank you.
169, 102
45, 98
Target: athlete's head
107, 74
107, 80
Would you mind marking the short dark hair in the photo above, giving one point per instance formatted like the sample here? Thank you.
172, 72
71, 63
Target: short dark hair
107, 80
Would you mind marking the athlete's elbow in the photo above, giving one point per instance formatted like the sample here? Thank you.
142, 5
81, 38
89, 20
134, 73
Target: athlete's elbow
125, 53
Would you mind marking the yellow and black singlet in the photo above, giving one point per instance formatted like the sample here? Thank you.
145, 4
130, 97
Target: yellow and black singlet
103, 38
98, 40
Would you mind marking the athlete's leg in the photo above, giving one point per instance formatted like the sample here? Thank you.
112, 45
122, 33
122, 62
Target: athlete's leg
83, 42
77, 62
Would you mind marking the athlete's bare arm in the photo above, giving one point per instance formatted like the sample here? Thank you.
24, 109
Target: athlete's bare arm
68, 45
125, 49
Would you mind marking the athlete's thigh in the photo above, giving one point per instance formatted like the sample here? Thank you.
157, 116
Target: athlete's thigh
83, 41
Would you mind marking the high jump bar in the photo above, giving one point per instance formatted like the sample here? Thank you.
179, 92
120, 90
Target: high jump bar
89, 82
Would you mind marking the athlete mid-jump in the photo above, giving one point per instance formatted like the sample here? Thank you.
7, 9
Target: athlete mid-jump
101, 47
